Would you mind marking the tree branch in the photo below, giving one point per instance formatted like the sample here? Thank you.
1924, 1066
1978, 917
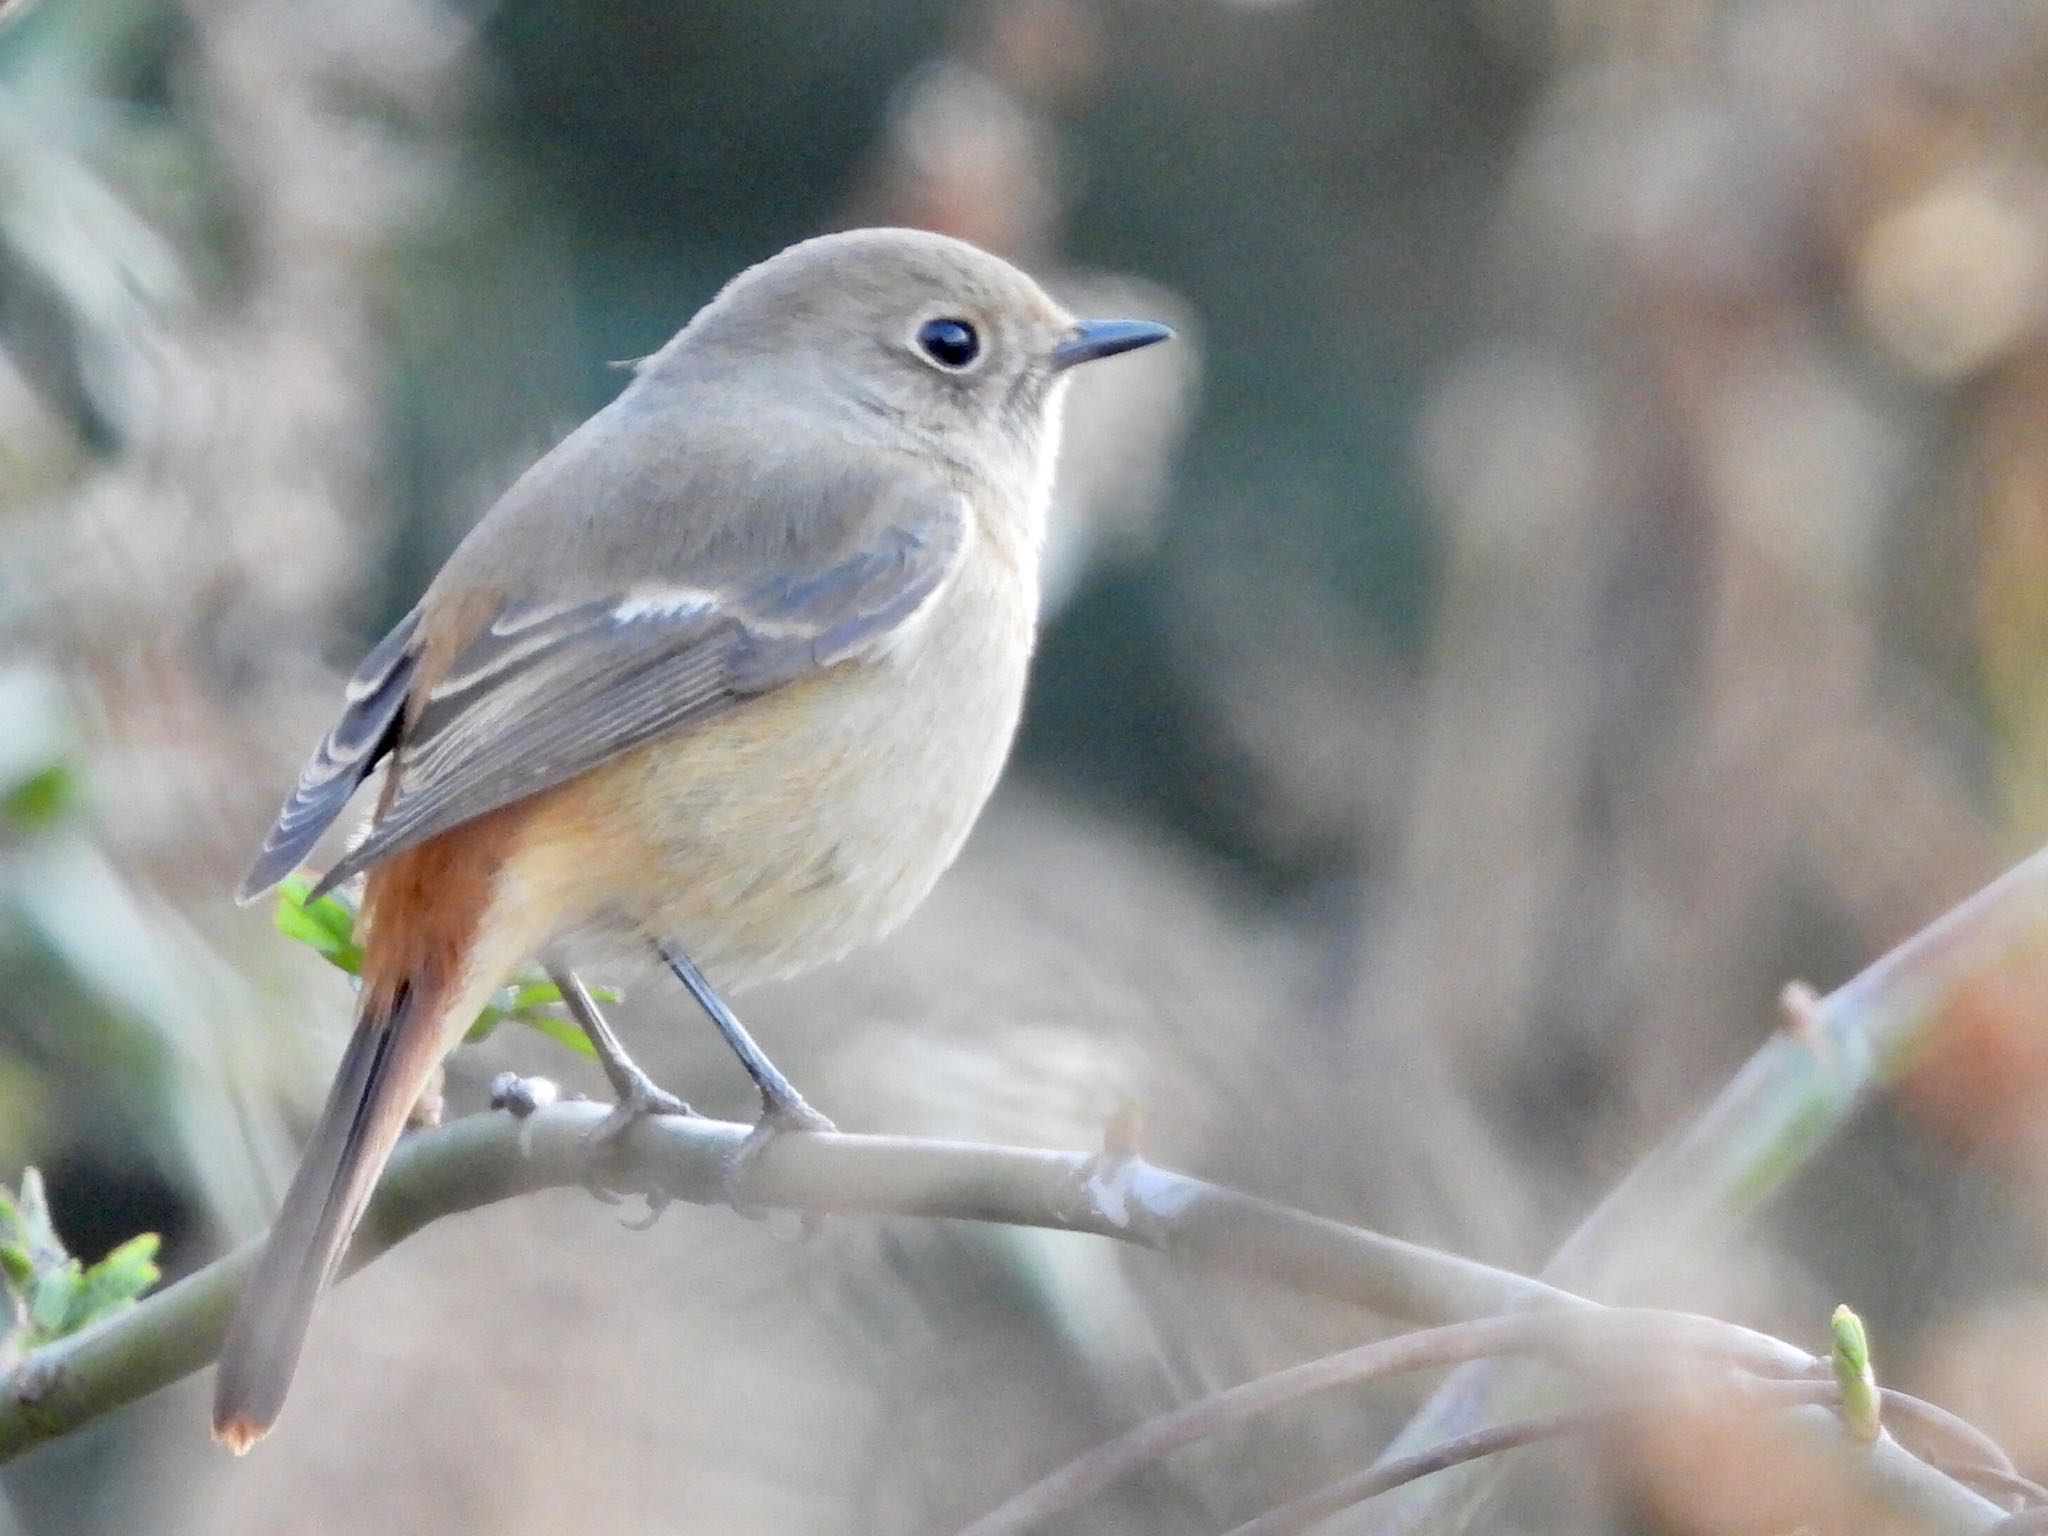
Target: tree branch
490, 1157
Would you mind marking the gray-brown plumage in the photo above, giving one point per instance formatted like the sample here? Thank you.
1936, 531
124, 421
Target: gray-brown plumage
733, 668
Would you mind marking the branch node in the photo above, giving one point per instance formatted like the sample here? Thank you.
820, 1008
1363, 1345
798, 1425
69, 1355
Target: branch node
1104, 1186
1799, 1011
33, 1383
1120, 1134
1103, 1179
522, 1097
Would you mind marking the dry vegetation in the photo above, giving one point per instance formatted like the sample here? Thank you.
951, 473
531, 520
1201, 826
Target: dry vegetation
1738, 478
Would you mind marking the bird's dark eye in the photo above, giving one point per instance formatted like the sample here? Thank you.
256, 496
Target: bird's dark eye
949, 343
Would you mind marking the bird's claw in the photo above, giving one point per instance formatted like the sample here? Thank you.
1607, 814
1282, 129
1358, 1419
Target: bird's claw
779, 1117
640, 1100
658, 1200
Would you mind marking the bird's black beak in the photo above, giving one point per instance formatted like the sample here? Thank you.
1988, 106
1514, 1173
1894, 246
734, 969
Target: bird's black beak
1090, 339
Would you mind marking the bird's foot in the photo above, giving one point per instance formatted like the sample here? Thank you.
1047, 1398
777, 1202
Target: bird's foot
637, 1095
640, 1097
781, 1115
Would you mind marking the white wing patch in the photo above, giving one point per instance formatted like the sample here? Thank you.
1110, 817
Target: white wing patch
664, 603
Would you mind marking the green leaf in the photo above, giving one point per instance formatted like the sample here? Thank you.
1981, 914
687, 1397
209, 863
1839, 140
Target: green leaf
38, 1234
533, 1002
484, 1023
55, 1294
114, 1284
552, 1025
17, 1261
562, 1032
529, 995
326, 926
42, 798
50, 1298
16, 1268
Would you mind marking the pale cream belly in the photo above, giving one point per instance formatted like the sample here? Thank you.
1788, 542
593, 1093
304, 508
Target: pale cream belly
808, 822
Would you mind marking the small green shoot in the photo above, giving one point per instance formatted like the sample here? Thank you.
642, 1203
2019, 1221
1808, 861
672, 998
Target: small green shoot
1853, 1373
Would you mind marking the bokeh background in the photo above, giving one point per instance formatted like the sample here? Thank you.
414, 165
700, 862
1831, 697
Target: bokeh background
1587, 566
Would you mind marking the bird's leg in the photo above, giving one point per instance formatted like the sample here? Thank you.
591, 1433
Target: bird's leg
636, 1092
783, 1109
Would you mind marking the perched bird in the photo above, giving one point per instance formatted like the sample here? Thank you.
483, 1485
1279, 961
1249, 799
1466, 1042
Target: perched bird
730, 672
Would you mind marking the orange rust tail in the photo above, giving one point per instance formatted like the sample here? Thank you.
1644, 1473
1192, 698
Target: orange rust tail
423, 911
388, 1063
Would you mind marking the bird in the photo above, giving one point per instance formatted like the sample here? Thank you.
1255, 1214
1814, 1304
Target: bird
729, 673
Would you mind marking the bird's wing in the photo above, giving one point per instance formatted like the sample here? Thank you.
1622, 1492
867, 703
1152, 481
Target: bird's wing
369, 723
547, 690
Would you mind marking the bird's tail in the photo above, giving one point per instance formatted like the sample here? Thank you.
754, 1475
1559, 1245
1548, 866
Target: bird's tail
388, 1064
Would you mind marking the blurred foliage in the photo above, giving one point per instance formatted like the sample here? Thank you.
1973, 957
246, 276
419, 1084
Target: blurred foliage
154, 385
654, 152
327, 927
1603, 580
50, 1293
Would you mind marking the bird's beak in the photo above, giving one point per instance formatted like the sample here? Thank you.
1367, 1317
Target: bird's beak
1090, 339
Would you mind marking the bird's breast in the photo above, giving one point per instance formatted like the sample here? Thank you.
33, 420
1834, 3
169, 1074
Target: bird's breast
808, 821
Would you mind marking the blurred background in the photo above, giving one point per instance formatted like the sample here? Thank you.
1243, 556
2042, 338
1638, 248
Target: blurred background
1584, 569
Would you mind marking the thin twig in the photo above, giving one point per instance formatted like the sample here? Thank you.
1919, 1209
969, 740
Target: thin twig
1585, 1339
1609, 1342
2023, 1493
1951, 1442
1396, 1471
1393, 1472
1788, 1102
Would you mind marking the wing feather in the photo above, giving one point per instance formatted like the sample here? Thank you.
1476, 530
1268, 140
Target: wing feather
368, 727
547, 691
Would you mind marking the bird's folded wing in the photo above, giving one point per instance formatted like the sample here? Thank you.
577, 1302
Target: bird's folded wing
375, 698
545, 691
